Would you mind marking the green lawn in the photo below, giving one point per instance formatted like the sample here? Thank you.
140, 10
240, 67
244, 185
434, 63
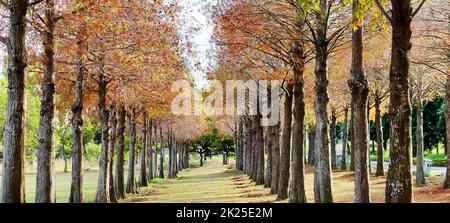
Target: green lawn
212, 183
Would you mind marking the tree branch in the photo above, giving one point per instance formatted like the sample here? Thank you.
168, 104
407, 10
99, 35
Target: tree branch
418, 8
388, 17
35, 2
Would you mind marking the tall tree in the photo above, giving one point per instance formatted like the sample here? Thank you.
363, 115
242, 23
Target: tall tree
45, 192
103, 175
13, 178
360, 90
447, 117
345, 140
143, 181
150, 150
297, 184
112, 147
76, 190
132, 187
120, 181
420, 172
285, 149
399, 178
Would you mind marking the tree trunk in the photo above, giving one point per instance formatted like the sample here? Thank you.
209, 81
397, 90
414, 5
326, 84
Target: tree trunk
420, 173
368, 138
297, 183
45, 188
103, 171
66, 165
180, 150
360, 90
333, 139
352, 136
112, 147
253, 157
268, 148
155, 163
447, 125
120, 181
259, 145
345, 140
323, 170
150, 151
201, 159
171, 158
143, 181
76, 189
311, 145
161, 157
131, 183
275, 141
248, 145
236, 144
286, 144
241, 144
380, 151
13, 180
186, 157
399, 178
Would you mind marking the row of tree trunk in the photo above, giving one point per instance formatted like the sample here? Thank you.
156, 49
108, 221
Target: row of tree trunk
286, 166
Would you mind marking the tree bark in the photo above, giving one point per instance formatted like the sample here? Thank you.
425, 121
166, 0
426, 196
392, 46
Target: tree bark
420, 173
253, 157
311, 145
161, 157
286, 144
345, 140
380, 151
297, 182
359, 86
447, 125
259, 145
248, 145
76, 189
275, 141
399, 178
368, 138
322, 165
131, 183
268, 148
150, 151
241, 144
120, 181
352, 136
103, 171
186, 157
171, 174
112, 147
155, 163
45, 188
13, 180
143, 181
333, 139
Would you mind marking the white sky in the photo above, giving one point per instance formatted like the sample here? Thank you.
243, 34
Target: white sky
194, 15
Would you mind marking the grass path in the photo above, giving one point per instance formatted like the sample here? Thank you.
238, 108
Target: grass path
213, 183
216, 183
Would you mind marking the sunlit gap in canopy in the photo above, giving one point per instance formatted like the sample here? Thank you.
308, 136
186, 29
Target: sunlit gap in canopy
197, 29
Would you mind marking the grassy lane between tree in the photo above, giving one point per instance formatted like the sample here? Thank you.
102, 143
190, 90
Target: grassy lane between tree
222, 184
212, 183
217, 183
